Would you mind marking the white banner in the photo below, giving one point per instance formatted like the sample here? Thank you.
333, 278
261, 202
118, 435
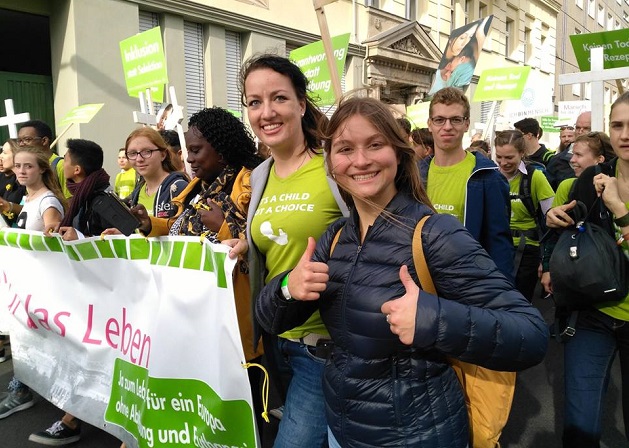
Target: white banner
536, 99
130, 333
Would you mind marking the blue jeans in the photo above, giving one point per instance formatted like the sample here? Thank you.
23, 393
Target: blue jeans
332, 440
303, 424
588, 357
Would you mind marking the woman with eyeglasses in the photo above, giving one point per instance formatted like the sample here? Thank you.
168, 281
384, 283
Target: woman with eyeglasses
531, 196
602, 331
161, 181
214, 206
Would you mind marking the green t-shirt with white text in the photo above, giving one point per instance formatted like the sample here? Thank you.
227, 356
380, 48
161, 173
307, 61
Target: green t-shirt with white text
292, 209
447, 186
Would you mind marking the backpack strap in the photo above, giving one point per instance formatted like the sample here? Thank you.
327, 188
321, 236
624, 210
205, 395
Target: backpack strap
54, 164
419, 260
525, 191
335, 240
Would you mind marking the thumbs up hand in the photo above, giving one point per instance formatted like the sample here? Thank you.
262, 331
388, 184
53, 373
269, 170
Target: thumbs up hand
309, 278
400, 313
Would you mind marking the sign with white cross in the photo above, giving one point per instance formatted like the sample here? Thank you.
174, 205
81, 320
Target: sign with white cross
597, 77
11, 119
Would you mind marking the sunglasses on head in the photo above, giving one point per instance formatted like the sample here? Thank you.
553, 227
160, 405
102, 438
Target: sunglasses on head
566, 128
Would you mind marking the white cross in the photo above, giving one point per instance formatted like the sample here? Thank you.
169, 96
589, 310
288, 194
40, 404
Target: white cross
597, 76
11, 119
174, 122
142, 117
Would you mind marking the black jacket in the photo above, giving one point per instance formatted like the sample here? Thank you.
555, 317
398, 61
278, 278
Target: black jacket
378, 391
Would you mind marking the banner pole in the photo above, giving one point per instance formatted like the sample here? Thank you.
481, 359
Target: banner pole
52, 145
327, 46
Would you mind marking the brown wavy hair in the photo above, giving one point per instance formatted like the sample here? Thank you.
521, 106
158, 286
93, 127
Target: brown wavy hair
407, 178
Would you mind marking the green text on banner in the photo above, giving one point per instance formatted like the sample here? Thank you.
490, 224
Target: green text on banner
312, 61
144, 63
501, 84
615, 48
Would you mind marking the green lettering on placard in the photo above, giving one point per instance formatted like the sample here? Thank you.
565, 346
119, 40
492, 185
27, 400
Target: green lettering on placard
505, 83
144, 64
313, 63
615, 48
169, 412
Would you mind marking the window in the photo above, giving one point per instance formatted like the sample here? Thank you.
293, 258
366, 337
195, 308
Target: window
607, 96
482, 10
148, 20
232, 68
372, 3
466, 11
579, 3
591, 8
194, 66
528, 45
509, 37
617, 26
610, 22
625, 16
577, 31
576, 89
588, 91
601, 15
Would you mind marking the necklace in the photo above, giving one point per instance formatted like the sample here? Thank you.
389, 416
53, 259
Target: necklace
34, 194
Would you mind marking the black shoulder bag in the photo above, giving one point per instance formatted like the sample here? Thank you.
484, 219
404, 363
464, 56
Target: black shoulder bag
587, 267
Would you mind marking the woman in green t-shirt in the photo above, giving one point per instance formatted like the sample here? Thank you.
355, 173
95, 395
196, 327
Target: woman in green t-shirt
531, 197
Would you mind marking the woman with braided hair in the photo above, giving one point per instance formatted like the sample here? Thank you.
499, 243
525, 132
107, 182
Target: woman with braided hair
221, 154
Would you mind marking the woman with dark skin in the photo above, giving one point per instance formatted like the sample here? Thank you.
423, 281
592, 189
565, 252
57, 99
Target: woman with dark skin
221, 154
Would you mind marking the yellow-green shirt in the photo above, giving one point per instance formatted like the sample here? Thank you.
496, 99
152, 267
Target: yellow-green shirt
148, 201
290, 210
447, 186
62, 178
563, 192
125, 183
521, 219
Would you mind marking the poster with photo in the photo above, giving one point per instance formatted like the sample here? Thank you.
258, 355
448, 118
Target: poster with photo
461, 55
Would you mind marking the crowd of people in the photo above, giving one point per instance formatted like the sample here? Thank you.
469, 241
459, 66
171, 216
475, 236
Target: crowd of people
330, 295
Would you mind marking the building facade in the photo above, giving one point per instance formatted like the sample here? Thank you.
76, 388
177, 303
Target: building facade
395, 47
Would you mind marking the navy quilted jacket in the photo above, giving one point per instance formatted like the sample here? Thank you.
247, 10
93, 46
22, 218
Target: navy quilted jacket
380, 392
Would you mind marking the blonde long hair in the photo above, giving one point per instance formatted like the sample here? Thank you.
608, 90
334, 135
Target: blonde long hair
48, 177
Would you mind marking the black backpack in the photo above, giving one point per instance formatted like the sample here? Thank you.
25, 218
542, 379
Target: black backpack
587, 266
524, 195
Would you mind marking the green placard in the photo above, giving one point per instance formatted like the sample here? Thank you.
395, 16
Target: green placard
615, 48
548, 124
418, 115
81, 114
501, 84
313, 63
144, 63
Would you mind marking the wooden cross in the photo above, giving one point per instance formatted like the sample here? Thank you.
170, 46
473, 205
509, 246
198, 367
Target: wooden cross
597, 76
12, 119
142, 117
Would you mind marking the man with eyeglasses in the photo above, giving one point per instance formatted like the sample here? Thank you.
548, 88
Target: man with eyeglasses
466, 185
559, 168
38, 134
